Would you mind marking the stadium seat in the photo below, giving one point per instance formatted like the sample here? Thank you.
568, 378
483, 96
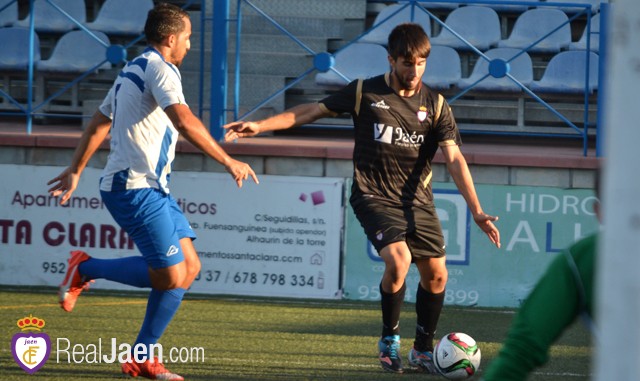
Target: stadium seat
381, 27
535, 24
566, 71
8, 15
521, 68
122, 17
516, 8
439, 5
479, 25
595, 5
443, 68
15, 49
358, 60
581, 44
48, 19
76, 52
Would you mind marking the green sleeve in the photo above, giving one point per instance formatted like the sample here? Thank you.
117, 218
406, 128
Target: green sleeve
551, 306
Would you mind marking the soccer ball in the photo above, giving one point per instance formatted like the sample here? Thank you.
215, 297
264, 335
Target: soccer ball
457, 356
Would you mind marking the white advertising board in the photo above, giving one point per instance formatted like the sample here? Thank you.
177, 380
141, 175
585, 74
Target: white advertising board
278, 238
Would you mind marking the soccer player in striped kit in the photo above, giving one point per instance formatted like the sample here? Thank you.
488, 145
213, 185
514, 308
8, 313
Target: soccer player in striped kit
145, 112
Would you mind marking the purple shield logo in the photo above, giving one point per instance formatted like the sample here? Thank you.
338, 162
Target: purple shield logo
30, 350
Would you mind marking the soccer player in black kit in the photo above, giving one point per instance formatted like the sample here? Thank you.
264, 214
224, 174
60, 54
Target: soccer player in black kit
399, 124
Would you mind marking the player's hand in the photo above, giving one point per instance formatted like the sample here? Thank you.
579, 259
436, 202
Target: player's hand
64, 184
240, 129
240, 172
485, 222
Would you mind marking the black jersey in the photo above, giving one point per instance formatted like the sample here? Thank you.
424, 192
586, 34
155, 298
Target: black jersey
395, 139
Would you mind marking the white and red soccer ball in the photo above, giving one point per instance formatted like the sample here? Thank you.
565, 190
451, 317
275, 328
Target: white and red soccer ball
457, 356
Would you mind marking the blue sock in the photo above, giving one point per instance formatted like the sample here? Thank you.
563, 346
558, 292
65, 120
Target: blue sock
132, 271
161, 307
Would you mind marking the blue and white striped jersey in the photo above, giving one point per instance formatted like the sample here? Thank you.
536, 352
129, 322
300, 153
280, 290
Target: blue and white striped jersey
143, 139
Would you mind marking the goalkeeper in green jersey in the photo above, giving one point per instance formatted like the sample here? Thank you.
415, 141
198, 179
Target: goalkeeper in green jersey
564, 293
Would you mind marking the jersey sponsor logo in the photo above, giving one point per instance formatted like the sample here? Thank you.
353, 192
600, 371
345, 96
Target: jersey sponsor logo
380, 104
173, 250
395, 135
383, 133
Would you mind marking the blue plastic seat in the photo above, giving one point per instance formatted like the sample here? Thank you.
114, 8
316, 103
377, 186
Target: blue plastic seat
479, 25
8, 15
439, 5
76, 52
15, 49
513, 7
358, 60
122, 17
535, 24
381, 28
581, 44
595, 5
566, 71
521, 68
48, 19
443, 68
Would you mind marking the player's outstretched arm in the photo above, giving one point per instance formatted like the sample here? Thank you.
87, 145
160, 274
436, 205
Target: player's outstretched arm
66, 182
295, 116
457, 166
195, 132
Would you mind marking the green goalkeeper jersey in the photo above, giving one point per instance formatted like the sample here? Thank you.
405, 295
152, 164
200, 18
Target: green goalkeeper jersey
564, 292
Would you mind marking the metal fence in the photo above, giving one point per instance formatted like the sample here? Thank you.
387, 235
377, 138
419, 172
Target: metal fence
219, 21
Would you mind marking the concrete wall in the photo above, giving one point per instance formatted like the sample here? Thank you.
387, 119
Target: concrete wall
562, 167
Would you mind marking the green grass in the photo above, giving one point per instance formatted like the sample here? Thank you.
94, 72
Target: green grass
259, 339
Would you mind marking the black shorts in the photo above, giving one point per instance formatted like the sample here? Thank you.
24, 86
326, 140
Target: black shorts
418, 226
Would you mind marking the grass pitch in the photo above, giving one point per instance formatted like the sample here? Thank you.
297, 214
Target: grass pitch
256, 339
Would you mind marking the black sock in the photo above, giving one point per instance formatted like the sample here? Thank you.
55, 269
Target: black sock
428, 308
391, 307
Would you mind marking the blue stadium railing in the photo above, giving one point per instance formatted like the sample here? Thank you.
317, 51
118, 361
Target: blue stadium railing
116, 54
323, 61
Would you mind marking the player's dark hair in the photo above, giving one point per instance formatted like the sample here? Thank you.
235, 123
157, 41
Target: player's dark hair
164, 20
408, 40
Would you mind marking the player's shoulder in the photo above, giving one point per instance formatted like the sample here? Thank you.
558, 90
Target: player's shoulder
429, 93
376, 78
375, 82
587, 243
584, 250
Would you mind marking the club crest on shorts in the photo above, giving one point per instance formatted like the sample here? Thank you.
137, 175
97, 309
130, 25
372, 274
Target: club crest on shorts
30, 349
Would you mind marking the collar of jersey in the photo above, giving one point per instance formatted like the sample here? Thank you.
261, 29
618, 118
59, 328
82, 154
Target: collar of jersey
152, 49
